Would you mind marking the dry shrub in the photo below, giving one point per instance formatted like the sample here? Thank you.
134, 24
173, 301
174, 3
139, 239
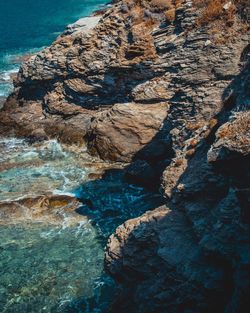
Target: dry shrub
170, 15
161, 5
141, 10
150, 22
193, 142
224, 10
137, 14
178, 162
194, 126
238, 129
214, 10
167, 6
220, 15
213, 122
190, 153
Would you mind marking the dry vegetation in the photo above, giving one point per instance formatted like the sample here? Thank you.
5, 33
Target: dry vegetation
219, 14
164, 8
222, 15
224, 10
225, 19
145, 15
237, 131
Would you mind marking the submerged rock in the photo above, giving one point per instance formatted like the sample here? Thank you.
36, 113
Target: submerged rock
47, 209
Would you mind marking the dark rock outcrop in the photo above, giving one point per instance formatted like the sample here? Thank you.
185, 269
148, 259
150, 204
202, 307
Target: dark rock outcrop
193, 257
133, 55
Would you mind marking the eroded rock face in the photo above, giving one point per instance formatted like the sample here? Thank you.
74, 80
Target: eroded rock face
232, 139
130, 54
157, 257
193, 257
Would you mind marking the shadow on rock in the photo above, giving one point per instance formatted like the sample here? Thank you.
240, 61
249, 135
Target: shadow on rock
111, 200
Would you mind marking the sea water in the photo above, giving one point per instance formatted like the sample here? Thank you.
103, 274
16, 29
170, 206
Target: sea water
59, 268
27, 26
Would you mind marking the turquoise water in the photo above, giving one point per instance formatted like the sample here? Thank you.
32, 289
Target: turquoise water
27, 26
58, 267
47, 269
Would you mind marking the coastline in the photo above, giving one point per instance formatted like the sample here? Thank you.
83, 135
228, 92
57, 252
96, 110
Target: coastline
167, 104
15, 61
2, 100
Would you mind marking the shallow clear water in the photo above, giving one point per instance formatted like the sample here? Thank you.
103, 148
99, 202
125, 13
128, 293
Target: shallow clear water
59, 268
39, 169
27, 25
45, 269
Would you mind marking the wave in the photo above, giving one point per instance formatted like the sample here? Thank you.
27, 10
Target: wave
5, 76
5, 90
6, 83
9, 65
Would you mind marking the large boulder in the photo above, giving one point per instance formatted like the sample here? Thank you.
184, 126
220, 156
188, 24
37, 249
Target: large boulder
119, 133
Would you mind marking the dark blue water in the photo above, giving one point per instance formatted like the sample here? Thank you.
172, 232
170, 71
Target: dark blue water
29, 25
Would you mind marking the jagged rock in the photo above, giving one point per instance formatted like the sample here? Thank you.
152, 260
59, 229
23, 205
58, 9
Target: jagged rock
158, 259
233, 139
142, 172
62, 87
197, 250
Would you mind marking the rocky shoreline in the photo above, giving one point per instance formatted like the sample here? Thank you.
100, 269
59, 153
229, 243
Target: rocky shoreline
148, 85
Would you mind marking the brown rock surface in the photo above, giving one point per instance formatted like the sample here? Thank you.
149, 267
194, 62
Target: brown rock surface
233, 139
158, 259
133, 54
48, 209
119, 133
193, 257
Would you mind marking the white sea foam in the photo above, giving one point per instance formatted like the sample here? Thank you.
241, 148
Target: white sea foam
35, 169
6, 75
6, 84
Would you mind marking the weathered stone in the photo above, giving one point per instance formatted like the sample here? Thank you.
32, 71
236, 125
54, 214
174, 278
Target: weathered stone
233, 139
117, 134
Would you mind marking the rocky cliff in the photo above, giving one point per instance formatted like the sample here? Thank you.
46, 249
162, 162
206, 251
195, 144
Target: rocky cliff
162, 86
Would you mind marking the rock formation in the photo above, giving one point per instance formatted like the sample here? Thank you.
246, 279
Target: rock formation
164, 86
193, 254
